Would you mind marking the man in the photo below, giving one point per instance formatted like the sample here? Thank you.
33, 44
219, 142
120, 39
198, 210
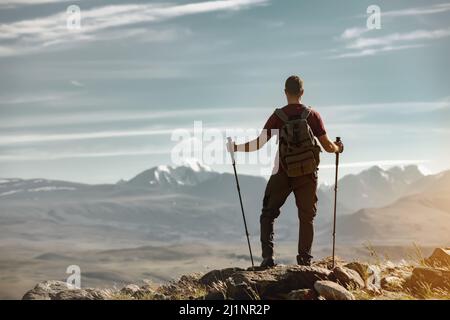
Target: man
280, 184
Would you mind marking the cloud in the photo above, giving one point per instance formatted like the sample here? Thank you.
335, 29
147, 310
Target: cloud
416, 35
76, 83
352, 33
18, 3
34, 98
27, 138
361, 46
372, 52
418, 11
78, 155
106, 22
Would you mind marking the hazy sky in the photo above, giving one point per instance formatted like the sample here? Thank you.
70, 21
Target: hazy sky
99, 104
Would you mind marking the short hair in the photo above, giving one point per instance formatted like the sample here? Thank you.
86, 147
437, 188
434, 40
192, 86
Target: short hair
294, 85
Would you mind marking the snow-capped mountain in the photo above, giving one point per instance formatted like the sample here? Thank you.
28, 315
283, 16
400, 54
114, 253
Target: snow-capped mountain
190, 174
174, 203
376, 187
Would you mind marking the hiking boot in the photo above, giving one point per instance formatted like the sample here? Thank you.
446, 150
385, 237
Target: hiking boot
304, 260
268, 263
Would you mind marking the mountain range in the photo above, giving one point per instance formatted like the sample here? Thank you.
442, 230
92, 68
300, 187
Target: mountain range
192, 202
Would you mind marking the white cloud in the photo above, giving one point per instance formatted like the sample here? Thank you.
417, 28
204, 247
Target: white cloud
17, 3
433, 9
76, 83
416, 35
34, 98
27, 138
352, 33
28, 36
372, 52
360, 46
76, 155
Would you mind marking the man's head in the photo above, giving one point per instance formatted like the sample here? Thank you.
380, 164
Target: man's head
293, 88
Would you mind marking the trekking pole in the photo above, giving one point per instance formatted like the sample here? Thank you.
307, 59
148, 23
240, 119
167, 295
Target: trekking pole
240, 200
338, 139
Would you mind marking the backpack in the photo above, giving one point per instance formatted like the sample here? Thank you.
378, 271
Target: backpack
298, 149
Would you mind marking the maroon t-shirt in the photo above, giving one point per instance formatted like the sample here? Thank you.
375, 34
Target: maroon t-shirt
314, 120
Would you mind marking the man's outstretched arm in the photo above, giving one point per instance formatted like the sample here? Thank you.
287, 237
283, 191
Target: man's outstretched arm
330, 146
254, 144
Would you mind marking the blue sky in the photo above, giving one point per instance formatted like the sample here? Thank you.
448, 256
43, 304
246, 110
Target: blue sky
98, 104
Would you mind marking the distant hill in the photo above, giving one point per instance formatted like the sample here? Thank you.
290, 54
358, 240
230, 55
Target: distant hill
193, 202
422, 217
376, 187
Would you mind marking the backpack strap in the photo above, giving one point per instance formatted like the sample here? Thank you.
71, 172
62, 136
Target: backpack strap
280, 113
306, 112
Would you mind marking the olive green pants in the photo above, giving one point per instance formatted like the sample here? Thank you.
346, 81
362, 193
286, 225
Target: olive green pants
279, 187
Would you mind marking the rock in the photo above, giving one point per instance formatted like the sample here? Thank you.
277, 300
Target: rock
434, 278
332, 291
391, 283
84, 294
276, 282
439, 258
160, 296
348, 278
218, 275
215, 295
360, 267
370, 274
146, 291
47, 290
59, 290
268, 283
240, 291
302, 294
131, 289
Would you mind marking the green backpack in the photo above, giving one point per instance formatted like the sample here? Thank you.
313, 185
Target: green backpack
299, 152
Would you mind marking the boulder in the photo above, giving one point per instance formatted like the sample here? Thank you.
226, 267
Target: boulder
439, 258
302, 294
130, 289
59, 290
240, 291
348, 278
160, 296
215, 295
46, 290
332, 291
84, 294
276, 282
146, 291
270, 283
392, 283
218, 275
433, 278
370, 274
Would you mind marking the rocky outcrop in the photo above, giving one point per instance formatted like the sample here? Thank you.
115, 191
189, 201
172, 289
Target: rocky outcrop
439, 258
370, 274
303, 294
431, 278
346, 281
392, 283
274, 283
332, 291
348, 278
58, 290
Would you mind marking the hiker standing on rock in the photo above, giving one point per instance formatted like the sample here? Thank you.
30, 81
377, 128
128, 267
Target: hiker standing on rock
295, 170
